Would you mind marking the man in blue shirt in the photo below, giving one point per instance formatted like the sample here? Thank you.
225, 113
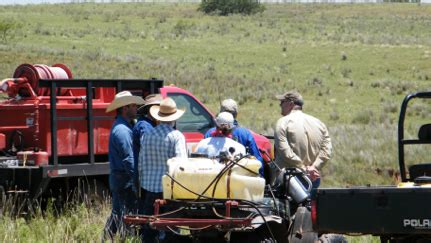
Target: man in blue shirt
145, 122
121, 159
157, 146
240, 134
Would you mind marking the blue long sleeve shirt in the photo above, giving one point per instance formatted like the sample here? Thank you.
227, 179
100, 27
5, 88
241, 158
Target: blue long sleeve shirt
142, 126
121, 148
243, 136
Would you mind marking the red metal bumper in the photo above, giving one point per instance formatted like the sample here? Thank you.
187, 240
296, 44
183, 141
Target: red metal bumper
163, 223
160, 222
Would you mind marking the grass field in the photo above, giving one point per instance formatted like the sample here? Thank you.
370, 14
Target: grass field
352, 63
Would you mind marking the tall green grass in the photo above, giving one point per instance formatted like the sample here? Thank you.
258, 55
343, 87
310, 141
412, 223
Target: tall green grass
352, 63
78, 223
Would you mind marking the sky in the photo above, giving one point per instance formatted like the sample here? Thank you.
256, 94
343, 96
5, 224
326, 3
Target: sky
11, 2
7, 2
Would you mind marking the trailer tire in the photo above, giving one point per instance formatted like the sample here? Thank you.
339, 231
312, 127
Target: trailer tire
332, 238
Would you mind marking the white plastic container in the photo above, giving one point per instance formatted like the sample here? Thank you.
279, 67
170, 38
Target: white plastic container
197, 173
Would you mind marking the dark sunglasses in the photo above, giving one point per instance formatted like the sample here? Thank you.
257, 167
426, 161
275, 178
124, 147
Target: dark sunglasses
281, 102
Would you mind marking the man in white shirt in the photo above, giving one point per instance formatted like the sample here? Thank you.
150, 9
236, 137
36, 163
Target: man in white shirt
301, 140
221, 139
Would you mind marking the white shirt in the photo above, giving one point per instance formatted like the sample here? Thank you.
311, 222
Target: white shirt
301, 140
212, 146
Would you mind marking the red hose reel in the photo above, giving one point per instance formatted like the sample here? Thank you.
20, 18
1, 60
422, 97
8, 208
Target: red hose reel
25, 81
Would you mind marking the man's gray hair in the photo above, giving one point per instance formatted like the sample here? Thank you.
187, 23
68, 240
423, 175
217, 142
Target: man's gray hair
230, 106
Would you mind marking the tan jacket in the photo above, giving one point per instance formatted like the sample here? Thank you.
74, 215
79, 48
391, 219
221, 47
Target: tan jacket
301, 140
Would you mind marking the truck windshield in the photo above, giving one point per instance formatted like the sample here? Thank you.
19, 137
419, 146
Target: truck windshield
196, 118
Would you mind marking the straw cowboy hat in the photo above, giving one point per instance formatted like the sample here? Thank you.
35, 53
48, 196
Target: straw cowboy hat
124, 98
167, 111
151, 99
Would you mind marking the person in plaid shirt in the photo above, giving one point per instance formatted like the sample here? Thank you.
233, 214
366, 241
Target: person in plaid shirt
157, 146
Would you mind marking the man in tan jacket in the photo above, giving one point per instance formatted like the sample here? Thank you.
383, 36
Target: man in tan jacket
301, 140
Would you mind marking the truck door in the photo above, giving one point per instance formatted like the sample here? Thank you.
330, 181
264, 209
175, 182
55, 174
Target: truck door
195, 121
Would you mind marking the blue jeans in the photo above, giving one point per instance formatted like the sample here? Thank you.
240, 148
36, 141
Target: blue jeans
316, 185
123, 201
150, 235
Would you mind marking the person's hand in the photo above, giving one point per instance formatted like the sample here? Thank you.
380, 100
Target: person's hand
312, 172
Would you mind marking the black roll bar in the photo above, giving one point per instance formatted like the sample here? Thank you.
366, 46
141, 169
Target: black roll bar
401, 140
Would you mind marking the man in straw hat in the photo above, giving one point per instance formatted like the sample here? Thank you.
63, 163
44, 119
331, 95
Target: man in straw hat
121, 158
301, 140
157, 146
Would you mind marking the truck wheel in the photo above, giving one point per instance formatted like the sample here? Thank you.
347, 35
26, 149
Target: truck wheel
332, 238
93, 192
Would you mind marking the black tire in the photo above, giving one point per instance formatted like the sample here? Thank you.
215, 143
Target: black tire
93, 192
332, 238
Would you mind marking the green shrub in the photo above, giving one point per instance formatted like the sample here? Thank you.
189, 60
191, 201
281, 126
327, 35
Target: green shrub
226, 7
7, 29
363, 117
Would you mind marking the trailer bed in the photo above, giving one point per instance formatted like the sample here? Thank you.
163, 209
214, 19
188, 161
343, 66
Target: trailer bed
383, 210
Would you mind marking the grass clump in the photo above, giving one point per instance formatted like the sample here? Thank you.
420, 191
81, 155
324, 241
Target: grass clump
363, 117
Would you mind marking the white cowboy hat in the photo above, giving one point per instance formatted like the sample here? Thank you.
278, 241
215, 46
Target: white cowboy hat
124, 98
167, 111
